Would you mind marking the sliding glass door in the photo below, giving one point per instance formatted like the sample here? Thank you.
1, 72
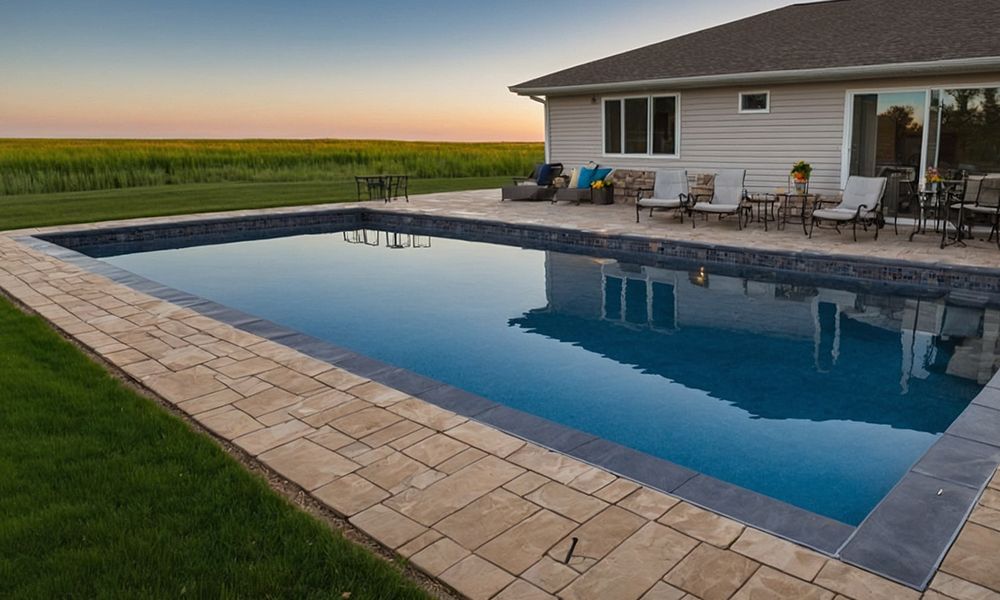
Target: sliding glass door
888, 132
898, 134
887, 140
967, 131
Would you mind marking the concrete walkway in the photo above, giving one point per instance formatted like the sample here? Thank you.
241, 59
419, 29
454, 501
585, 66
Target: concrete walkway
486, 513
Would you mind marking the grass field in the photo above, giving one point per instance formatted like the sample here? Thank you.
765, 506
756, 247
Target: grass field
104, 494
36, 210
44, 165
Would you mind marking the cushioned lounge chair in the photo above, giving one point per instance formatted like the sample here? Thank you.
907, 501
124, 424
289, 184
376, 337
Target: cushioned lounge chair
727, 197
861, 203
669, 192
540, 185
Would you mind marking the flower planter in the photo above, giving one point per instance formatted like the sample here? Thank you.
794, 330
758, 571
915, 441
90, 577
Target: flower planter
602, 196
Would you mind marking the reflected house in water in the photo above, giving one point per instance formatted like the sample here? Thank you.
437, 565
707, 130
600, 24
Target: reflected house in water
684, 325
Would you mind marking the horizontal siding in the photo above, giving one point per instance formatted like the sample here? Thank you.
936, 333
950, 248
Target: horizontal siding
805, 123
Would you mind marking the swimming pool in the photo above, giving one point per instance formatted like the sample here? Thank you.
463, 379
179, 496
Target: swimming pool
819, 397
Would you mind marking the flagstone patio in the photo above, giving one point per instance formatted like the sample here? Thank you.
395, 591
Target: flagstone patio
486, 513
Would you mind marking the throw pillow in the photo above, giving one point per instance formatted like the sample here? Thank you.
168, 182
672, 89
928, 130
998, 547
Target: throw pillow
586, 178
574, 178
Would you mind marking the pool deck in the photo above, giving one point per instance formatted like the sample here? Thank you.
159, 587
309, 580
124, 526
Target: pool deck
486, 513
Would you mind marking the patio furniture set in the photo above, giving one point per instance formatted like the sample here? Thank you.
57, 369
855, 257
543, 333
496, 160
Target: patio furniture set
382, 187
952, 206
548, 182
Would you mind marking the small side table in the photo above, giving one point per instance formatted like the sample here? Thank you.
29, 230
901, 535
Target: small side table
765, 204
928, 201
800, 202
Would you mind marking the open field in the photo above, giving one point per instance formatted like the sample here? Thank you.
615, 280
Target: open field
103, 494
36, 210
47, 165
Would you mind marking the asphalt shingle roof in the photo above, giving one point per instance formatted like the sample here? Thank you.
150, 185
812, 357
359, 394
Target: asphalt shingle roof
837, 33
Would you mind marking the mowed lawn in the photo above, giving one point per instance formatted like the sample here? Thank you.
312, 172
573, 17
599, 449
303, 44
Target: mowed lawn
105, 494
37, 210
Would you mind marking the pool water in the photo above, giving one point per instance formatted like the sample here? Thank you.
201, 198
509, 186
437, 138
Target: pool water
819, 397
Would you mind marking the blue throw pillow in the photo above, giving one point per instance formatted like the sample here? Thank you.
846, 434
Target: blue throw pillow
589, 176
586, 178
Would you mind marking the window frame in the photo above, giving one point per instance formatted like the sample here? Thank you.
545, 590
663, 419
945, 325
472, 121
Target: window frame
753, 111
649, 126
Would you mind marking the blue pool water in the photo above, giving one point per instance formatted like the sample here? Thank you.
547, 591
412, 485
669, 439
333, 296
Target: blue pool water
822, 398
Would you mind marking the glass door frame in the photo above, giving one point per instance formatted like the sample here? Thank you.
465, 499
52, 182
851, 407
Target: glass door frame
845, 153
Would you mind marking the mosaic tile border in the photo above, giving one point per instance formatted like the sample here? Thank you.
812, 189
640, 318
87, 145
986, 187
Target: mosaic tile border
904, 538
968, 283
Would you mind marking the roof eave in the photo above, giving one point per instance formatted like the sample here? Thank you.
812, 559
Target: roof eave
961, 65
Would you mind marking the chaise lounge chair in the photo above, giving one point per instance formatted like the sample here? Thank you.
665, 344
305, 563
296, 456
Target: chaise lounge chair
727, 198
669, 192
540, 185
861, 203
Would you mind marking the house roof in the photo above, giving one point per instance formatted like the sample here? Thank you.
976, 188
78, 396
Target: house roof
841, 38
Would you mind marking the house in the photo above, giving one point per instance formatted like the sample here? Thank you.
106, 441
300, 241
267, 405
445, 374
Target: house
868, 87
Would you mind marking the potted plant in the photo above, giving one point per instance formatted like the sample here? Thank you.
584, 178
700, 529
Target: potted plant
801, 171
601, 192
933, 178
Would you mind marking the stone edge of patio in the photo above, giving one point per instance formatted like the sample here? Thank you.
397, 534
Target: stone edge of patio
486, 513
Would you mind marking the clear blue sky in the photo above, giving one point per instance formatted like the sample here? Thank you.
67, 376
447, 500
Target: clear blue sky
254, 68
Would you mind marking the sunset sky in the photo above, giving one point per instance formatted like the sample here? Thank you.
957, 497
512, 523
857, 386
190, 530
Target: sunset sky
433, 70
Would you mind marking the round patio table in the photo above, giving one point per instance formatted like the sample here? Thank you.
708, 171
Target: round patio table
932, 204
800, 202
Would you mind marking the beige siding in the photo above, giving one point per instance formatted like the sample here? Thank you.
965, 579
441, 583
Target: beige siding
805, 123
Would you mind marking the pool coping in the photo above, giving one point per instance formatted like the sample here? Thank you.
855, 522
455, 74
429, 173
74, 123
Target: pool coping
893, 541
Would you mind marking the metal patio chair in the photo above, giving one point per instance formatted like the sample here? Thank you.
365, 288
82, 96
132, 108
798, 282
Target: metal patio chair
728, 197
861, 203
669, 192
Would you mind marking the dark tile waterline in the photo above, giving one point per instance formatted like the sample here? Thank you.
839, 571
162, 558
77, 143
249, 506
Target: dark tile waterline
875, 545
971, 284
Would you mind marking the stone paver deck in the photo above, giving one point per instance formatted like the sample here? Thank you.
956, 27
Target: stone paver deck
486, 513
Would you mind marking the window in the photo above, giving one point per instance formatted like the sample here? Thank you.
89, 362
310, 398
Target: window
636, 125
755, 102
641, 125
664, 125
613, 127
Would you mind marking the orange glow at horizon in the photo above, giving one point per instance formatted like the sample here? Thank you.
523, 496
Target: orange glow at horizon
408, 110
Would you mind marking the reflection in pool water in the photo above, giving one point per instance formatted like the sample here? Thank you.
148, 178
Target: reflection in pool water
819, 397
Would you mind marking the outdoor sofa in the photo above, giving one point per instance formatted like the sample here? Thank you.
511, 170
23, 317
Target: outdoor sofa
578, 185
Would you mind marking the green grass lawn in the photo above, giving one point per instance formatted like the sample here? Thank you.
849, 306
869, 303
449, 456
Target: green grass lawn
105, 494
36, 210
